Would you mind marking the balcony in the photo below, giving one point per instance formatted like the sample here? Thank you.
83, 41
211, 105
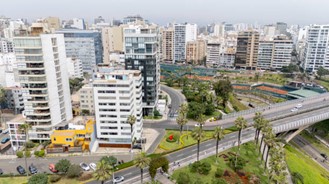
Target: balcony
36, 119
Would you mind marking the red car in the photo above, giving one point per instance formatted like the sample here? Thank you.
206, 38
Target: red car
52, 168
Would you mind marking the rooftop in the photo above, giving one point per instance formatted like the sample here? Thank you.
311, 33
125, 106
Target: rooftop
303, 93
66, 133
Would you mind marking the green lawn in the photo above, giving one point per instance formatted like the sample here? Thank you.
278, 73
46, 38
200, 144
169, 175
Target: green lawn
24, 179
237, 105
323, 83
311, 171
253, 101
186, 138
316, 143
254, 165
322, 129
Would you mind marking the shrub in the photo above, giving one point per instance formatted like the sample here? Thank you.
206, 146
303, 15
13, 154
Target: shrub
85, 176
201, 168
36, 153
54, 178
110, 160
195, 166
157, 163
183, 178
74, 171
19, 154
219, 172
40, 153
28, 154
39, 178
174, 138
29, 144
218, 181
63, 165
46, 143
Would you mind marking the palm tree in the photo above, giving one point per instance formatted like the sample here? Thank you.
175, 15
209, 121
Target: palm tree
142, 161
25, 128
277, 165
183, 109
265, 127
270, 142
241, 124
258, 124
181, 119
201, 119
198, 135
218, 135
131, 120
103, 171
266, 132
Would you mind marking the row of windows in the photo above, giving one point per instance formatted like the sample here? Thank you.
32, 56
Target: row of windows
106, 91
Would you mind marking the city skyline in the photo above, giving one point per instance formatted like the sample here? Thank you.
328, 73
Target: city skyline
180, 11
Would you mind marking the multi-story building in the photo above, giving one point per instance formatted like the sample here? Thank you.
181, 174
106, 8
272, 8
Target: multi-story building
99, 19
74, 67
14, 99
41, 63
8, 68
281, 28
85, 45
213, 53
168, 45
112, 39
87, 99
117, 95
196, 51
53, 23
316, 51
6, 46
183, 33
247, 50
132, 19
227, 57
142, 53
275, 54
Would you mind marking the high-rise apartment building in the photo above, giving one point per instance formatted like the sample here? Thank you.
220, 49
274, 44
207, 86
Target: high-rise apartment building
196, 51
142, 53
85, 45
247, 50
275, 54
112, 38
53, 23
168, 45
183, 33
74, 68
213, 53
41, 63
6, 46
316, 52
117, 95
87, 99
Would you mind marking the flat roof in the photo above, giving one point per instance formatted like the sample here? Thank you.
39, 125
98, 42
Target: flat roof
66, 133
303, 93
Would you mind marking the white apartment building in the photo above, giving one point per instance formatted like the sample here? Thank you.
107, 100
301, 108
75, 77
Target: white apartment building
183, 33
6, 46
41, 63
8, 68
74, 67
87, 99
213, 53
117, 95
316, 52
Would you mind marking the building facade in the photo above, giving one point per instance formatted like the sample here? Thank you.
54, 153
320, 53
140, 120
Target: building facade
117, 95
213, 53
183, 33
74, 67
112, 38
316, 51
247, 50
142, 53
87, 99
196, 51
41, 63
168, 45
85, 45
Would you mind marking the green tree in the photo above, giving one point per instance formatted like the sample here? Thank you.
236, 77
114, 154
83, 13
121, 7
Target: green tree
201, 120
259, 123
183, 178
131, 120
142, 161
74, 171
297, 178
218, 135
270, 142
181, 121
223, 88
156, 163
237, 163
111, 160
240, 124
266, 127
322, 71
39, 178
25, 128
75, 84
103, 171
290, 68
63, 165
277, 166
198, 135
195, 109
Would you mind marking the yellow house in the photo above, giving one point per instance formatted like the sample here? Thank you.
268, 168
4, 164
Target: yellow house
73, 138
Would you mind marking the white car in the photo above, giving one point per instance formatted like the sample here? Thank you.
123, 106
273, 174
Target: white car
84, 166
92, 166
299, 106
118, 179
198, 124
294, 109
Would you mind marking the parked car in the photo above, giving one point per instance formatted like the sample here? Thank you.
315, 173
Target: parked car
137, 146
118, 179
299, 106
84, 166
1, 171
324, 155
4, 140
52, 168
92, 166
293, 109
20, 170
6, 131
33, 169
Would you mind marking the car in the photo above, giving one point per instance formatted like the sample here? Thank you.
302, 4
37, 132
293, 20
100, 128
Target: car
198, 124
6, 131
4, 140
33, 169
20, 170
52, 168
92, 166
1, 171
324, 155
137, 146
293, 109
118, 179
84, 166
299, 106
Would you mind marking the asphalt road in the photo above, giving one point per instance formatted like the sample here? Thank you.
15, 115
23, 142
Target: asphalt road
311, 151
177, 98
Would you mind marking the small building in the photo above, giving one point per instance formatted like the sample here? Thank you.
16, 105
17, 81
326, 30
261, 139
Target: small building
74, 139
302, 93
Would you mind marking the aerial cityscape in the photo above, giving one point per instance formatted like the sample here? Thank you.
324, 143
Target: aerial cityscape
118, 92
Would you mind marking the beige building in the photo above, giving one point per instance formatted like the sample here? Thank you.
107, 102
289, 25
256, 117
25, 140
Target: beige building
53, 22
247, 50
112, 38
87, 99
168, 45
195, 51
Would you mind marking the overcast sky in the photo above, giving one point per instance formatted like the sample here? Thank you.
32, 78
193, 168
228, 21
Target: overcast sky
163, 11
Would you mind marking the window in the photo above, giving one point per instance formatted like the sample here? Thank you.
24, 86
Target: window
68, 139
